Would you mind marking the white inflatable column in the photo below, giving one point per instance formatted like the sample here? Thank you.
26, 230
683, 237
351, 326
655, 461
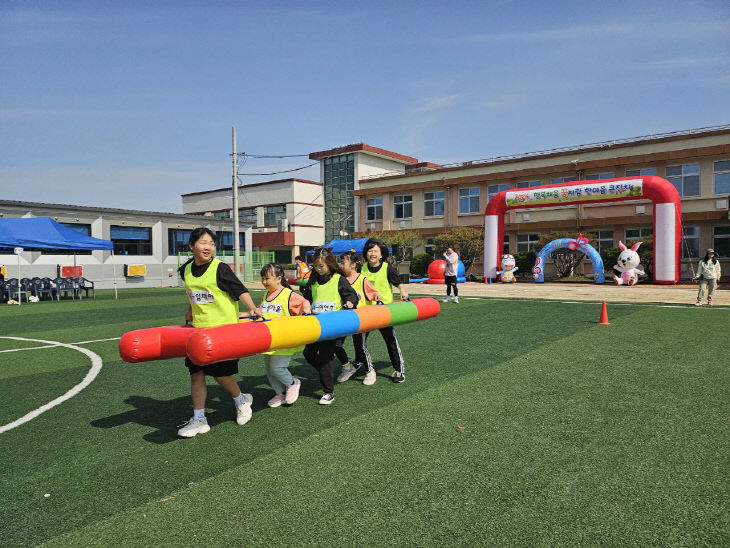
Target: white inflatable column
491, 245
665, 243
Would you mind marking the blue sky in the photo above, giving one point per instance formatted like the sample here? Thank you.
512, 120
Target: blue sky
130, 104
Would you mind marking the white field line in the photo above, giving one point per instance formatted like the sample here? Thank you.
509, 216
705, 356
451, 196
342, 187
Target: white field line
55, 345
96, 364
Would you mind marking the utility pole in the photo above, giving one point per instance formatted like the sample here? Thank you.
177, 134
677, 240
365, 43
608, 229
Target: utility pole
236, 244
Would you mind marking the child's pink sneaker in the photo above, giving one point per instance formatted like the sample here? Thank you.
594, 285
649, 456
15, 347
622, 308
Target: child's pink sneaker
292, 393
276, 401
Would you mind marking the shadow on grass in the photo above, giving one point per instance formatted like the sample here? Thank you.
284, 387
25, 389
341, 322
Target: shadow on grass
161, 415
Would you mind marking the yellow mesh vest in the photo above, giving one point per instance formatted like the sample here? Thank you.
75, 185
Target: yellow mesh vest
211, 306
326, 298
380, 281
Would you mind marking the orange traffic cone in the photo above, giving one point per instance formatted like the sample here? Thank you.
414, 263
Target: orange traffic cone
604, 315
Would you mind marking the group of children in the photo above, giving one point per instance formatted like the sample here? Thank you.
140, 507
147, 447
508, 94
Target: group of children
214, 292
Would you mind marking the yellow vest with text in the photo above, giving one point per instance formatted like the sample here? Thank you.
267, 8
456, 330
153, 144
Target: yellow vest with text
211, 306
380, 281
359, 287
279, 308
326, 297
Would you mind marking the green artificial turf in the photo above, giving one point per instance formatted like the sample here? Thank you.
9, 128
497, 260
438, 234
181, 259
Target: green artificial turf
520, 422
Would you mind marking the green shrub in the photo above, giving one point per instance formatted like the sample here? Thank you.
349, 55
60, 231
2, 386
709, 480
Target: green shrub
524, 261
419, 264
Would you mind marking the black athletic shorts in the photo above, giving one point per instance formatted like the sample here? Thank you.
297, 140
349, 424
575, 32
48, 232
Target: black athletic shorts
219, 369
450, 280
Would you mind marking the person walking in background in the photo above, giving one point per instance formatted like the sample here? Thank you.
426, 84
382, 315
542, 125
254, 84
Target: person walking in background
452, 262
708, 273
303, 269
3, 272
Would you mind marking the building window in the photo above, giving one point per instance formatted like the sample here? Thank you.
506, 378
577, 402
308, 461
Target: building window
561, 180
273, 214
225, 241
339, 204
604, 239
528, 184
685, 178
505, 245
644, 171
131, 240
595, 176
721, 241
493, 190
690, 242
469, 200
225, 214
637, 233
177, 240
248, 216
721, 176
526, 242
430, 247
374, 209
403, 207
433, 204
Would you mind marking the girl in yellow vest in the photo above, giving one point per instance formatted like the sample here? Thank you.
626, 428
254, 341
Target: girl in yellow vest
213, 292
281, 301
383, 275
328, 290
351, 264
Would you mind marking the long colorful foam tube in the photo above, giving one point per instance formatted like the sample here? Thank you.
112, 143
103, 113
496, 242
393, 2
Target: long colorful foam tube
155, 343
227, 342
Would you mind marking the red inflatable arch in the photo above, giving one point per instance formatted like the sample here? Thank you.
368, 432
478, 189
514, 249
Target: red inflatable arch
667, 213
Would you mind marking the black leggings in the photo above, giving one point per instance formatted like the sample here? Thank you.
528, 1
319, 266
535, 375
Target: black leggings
451, 281
319, 355
340, 352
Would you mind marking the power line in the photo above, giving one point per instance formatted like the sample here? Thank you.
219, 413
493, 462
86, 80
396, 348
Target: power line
278, 172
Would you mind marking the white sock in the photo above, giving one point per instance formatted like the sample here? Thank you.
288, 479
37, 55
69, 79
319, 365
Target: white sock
241, 398
199, 413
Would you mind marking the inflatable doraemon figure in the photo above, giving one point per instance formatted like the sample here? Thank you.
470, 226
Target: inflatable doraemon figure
628, 265
507, 274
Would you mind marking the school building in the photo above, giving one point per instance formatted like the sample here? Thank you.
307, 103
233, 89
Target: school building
286, 215
432, 198
147, 241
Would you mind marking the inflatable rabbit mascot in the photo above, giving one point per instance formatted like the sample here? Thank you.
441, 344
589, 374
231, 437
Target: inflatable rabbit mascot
628, 265
507, 274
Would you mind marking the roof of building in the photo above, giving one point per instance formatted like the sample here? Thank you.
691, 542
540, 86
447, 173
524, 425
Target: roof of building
362, 147
228, 188
563, 151
92, 209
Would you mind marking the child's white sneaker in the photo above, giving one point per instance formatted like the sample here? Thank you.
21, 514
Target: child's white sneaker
327, 398
244, 411
276, 401
446, 299
348, 370
370, 378
194, 427
456, 299
292, 393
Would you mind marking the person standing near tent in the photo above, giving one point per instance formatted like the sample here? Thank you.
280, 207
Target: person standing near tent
303, 269
383, 275
452, 267
213, 292
3, 272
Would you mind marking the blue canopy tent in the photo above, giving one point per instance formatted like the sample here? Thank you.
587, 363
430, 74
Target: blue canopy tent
43, 233
339, 247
